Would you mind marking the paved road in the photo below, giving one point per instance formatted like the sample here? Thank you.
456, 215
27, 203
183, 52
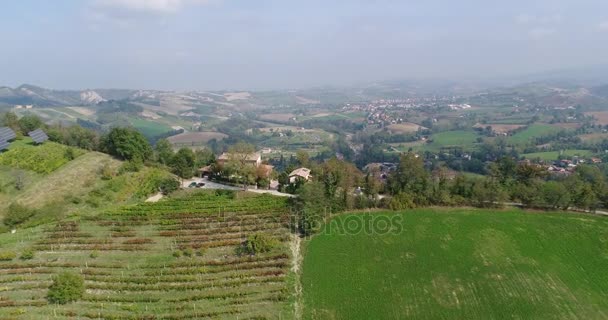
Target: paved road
214, 186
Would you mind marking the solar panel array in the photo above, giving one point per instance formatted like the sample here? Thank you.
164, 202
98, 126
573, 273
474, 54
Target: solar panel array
38, 136
4, 145
7, 134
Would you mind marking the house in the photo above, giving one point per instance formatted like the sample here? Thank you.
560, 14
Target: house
303, 173
254, 159
596, 160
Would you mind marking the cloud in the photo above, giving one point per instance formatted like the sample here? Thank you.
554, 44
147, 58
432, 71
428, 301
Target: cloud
603, 26
540, 32
153, 6
527, 19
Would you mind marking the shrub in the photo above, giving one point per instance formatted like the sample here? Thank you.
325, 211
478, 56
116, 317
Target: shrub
169, 185
201, 251
7, 256
177, 253
94, 255
27, 255
259, 242
66, 287
134, 165
17, 214
188, 252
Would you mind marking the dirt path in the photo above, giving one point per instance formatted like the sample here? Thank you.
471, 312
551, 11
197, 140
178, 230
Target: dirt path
296, 264
155, 198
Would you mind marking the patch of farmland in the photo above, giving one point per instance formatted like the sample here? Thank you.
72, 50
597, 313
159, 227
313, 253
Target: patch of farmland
280, 117
554, 155
406, 127
175, 259
533, 131
601, 117
593, 136
83, 111
458, 264
195, 138
303, 100
499, 128
232, 96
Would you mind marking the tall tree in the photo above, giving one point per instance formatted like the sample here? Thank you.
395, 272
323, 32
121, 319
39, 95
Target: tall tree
182, 163
163, 151
126, 143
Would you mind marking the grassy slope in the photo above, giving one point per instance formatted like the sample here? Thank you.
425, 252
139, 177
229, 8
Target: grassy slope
464, 264
145, 281
462, 138
149, 128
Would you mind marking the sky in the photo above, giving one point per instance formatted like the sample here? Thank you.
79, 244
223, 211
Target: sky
281, 44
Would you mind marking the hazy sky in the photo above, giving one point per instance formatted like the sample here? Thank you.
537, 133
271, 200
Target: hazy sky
215, 44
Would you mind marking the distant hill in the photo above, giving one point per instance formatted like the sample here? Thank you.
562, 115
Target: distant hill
33, 95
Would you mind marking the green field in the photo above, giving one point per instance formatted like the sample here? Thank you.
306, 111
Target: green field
461, 264
554, 155
457, 138
149, 128
128, 259
533, 131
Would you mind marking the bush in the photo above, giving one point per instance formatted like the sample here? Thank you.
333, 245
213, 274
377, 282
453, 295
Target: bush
169, 185
17, 214
94, 255
188, 252
259, 242
134, 165
27, 255
177, 253
66, 287
201, 251
7, 256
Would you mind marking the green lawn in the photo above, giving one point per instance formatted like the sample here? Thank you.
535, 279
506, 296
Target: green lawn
461, 264
554, 155
533, 131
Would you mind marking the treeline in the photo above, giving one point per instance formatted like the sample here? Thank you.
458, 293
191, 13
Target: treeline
339, 186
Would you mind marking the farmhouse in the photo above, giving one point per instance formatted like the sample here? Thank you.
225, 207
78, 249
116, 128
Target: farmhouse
254, 159
303, 173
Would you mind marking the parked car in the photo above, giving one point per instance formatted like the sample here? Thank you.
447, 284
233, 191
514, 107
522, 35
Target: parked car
192, 185
200, 185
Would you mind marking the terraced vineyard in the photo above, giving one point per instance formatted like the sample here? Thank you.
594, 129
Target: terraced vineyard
175, 259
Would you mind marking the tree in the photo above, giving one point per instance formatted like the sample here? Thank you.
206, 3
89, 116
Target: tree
182, 163
310, 206
237, 164
411, 177
29, 123
66, 287
127, 144
17, 214
169, 185
163, 151
556, 195
9, 119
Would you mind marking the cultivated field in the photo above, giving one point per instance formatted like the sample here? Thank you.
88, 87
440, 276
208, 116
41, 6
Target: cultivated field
499, 128
601, 117
461, 264
533, 131
554, 155
406, 127
174, 259
45, 158
280, 117
195, 138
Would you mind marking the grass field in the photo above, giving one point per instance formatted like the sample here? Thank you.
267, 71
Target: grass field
131, 270
533, 131
461, 264
458, 138
554, 155
149, 128
406, 127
